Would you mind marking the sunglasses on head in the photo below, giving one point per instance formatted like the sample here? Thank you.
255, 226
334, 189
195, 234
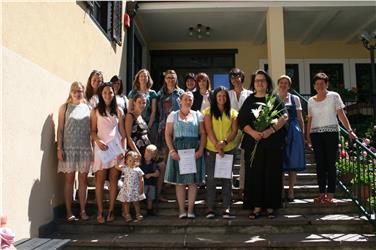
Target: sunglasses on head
236, 74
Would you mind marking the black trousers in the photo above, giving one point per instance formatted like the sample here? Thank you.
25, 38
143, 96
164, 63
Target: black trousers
325, 147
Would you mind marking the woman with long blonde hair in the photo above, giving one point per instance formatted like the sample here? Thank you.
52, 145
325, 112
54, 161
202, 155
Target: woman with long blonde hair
74, 150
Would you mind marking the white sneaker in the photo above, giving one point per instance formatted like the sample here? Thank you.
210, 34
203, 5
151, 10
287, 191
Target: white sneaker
191, 216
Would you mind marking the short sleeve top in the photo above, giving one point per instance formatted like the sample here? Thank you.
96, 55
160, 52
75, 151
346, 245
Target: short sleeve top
324, 113
296, 100
188, 127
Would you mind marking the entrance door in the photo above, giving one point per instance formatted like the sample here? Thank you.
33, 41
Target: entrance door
215, 63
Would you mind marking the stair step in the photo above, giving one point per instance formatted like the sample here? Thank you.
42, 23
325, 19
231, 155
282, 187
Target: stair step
301, 191
299, 206
171, 225
220, 241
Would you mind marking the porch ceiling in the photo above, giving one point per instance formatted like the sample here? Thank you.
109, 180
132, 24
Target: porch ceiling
245, 21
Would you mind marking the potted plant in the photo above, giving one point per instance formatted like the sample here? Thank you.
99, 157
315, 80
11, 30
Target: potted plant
345, 170
364, 182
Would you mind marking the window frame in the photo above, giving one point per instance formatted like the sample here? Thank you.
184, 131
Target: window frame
109, 31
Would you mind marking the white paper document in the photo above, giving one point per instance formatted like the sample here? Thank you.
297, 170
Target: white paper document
187, 163
114, 149
223, 166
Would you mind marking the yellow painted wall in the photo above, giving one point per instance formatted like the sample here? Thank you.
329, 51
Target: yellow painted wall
327, 50
45, 46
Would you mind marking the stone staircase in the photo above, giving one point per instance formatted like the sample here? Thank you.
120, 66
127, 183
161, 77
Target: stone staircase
298, 225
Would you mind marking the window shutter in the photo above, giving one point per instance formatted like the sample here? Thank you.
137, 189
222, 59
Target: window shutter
90, 5
117, 22
109, 19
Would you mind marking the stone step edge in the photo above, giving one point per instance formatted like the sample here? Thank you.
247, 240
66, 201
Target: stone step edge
221, 241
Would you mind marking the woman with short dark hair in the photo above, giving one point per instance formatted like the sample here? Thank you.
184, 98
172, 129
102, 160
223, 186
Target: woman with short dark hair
190, 82
202, 95
322, 131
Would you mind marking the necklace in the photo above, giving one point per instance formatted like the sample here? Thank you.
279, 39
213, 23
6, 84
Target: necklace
184, 115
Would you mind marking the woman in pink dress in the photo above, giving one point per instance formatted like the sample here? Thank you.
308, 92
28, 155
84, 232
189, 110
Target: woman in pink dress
107, 126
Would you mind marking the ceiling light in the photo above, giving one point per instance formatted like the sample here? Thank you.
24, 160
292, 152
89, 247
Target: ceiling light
199, 31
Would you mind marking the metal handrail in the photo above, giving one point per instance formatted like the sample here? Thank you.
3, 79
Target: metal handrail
356, 171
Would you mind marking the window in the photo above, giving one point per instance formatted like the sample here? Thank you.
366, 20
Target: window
107, 15
220, 80
333, 70
363, 81
292, 70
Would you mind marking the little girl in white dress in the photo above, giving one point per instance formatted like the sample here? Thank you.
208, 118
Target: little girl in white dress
132, 190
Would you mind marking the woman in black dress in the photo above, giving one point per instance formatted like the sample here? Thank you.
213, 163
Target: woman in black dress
263, 176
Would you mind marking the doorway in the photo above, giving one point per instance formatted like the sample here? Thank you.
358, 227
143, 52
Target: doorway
215, 63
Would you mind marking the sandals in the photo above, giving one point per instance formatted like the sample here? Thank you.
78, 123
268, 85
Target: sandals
139, 217
319, 200
127, 217
110, 217
84, 216
329, 201
100, 219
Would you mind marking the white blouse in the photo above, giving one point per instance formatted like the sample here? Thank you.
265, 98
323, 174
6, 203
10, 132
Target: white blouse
205, 102
170, 117
296, 99
324, 113
235, 103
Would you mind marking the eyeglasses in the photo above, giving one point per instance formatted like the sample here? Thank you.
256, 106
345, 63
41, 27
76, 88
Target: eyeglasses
260, 81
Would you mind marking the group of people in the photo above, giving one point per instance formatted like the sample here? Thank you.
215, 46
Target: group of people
190, 137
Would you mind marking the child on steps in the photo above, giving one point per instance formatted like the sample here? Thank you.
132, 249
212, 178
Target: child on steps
132, 190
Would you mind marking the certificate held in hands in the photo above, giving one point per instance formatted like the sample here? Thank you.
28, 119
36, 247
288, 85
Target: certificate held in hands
187, 162
223, 166
114, 149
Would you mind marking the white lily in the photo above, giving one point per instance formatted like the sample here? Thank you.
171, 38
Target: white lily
256, 112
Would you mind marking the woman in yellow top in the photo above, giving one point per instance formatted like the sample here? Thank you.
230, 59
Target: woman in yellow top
222, 130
